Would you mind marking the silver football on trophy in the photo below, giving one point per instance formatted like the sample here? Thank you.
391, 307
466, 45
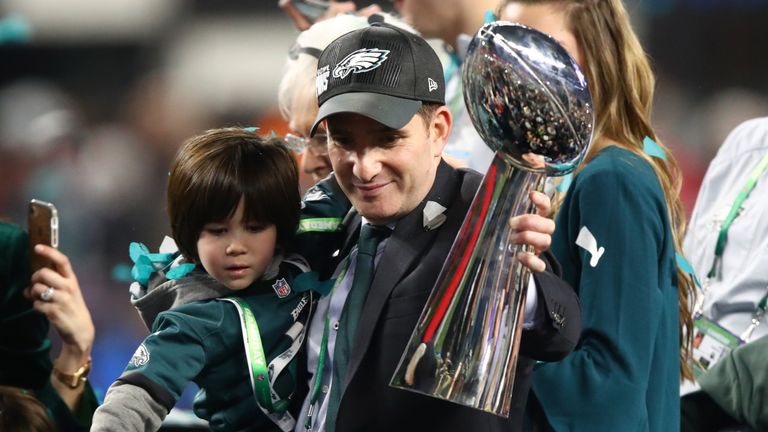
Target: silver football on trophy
527, 98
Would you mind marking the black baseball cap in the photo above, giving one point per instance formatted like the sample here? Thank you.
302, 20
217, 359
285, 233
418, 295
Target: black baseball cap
382, 72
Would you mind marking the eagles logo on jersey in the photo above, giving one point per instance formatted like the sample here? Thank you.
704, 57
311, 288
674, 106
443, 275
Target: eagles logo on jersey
362, 60
140, 357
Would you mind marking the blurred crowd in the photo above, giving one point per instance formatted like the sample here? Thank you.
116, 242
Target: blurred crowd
92, 126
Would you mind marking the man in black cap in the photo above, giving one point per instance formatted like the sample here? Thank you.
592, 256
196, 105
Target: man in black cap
381, 95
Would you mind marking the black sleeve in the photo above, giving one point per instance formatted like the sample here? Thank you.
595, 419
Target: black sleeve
320, 231
558, 316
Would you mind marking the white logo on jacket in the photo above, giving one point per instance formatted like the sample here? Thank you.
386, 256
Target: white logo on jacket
588, 242
140, 357
362, 60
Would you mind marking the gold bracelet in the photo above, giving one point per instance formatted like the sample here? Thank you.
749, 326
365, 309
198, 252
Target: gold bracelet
74, 380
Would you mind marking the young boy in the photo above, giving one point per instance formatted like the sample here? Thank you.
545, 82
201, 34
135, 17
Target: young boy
234, 324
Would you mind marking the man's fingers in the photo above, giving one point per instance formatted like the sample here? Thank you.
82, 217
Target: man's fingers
542, 202
540, 242
532, 261
369, 10
530, 222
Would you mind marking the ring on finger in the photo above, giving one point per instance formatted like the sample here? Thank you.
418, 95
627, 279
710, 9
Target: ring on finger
47, 295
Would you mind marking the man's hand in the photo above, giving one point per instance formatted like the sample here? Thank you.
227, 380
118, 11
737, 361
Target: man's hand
336, 7
534, 230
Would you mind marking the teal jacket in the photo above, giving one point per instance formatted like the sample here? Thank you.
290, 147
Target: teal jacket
25, 360
624, 373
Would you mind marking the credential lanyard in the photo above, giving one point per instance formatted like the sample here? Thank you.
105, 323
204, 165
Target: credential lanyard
322, 356
268, 401
722, 240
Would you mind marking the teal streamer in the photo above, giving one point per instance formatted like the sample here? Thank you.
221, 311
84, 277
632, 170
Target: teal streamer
652, 149
310, 281
686, 267
565, 183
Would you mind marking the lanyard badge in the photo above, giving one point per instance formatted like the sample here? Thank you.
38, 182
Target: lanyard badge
711, 342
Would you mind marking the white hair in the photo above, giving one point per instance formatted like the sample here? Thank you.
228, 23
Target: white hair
298, 81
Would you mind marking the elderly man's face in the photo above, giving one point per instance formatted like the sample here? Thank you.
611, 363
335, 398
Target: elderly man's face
314, 161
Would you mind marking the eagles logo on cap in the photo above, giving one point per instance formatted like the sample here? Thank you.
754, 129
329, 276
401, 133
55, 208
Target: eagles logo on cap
382, 72
362, 60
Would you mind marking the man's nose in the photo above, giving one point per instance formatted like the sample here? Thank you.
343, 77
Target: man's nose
367, 165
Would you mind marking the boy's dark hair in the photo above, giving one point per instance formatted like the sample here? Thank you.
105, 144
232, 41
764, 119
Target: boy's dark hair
212, 171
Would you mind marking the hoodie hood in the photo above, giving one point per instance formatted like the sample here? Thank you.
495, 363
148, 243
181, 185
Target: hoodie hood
195, 286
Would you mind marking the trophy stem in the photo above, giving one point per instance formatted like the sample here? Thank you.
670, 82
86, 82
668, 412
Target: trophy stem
464, 348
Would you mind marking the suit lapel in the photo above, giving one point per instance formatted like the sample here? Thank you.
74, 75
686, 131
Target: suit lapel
408, 242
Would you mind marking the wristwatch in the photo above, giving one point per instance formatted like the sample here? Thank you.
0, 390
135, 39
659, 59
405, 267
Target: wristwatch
74, 380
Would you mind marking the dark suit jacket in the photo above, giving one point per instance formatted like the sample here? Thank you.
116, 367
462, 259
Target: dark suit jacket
405, 275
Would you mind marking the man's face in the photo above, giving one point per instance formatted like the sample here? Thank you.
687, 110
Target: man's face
385, 172
432, 18
314, 161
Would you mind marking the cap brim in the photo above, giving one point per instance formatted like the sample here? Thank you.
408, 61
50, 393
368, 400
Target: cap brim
391, 111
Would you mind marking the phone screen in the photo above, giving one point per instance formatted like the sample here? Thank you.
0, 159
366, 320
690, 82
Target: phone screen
43, 227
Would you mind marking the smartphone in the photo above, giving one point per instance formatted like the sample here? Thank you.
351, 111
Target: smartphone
43, 227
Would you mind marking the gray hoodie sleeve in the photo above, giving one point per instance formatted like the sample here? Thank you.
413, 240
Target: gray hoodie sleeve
128, 407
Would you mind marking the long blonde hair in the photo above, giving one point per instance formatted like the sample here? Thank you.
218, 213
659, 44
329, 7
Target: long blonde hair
621, 82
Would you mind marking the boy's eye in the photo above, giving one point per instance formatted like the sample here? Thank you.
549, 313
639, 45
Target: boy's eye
255, 227
216, 230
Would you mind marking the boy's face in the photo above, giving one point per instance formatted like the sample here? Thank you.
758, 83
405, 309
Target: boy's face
236, 252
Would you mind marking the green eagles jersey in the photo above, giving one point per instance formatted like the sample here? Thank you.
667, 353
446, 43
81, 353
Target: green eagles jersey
202, 342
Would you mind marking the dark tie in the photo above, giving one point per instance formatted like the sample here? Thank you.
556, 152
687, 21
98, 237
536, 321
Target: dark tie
370, 237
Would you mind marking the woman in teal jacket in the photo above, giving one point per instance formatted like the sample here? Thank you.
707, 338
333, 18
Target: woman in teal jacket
617, 233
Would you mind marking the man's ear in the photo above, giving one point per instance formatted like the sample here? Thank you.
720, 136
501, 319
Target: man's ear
439, 129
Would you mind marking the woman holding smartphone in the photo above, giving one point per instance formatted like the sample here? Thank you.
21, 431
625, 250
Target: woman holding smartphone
28, 304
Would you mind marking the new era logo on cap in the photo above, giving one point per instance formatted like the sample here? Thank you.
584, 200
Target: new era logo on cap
431, 84
382, 72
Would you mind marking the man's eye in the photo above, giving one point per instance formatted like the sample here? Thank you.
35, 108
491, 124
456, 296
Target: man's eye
389, 140
340, 142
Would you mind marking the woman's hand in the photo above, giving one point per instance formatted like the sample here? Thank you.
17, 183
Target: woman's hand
65, 307
56, 294
534, 230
